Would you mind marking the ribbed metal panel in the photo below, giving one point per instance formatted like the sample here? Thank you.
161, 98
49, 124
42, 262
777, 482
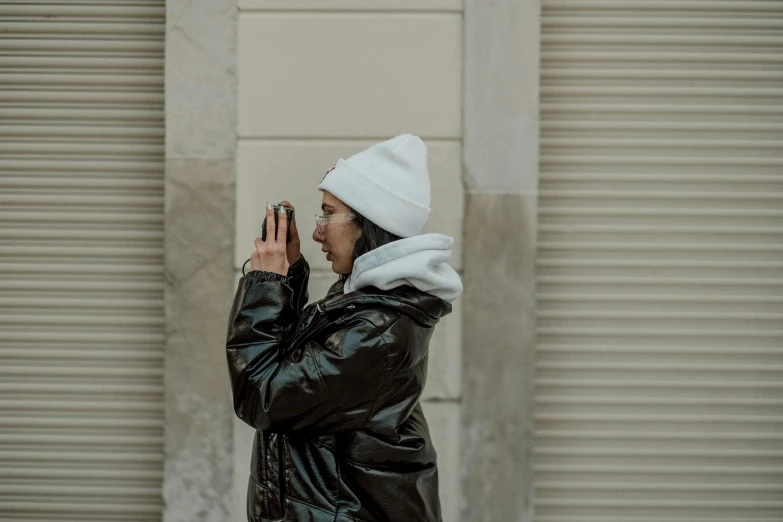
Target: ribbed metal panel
81, 260
659, 389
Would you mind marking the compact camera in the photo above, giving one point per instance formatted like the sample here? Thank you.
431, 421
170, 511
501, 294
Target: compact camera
289, 212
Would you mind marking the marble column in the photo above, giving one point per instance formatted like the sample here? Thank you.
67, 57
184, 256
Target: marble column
200, 99
501, 178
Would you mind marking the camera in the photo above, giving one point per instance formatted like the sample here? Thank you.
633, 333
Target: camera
289, 212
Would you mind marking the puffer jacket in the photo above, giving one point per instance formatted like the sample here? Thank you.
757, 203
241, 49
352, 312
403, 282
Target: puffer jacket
333, 390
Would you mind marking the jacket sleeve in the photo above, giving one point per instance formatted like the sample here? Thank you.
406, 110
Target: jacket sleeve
322, 388
298, 278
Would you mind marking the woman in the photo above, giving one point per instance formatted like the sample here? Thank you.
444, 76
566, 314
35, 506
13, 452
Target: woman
333, 388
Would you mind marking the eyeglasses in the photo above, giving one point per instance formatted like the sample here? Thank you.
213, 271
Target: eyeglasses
322, 221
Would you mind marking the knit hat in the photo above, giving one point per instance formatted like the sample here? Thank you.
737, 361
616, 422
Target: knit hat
388, 184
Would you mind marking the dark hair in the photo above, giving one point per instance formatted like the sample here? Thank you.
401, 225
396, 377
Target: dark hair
372, 237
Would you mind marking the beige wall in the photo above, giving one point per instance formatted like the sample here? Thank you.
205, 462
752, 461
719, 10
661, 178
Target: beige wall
501, 212
200, 101
319, 81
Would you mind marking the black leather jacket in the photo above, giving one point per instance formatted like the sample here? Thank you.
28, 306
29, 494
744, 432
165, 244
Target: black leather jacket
333, 391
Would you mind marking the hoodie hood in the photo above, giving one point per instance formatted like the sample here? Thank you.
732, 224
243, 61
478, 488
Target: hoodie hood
419, 261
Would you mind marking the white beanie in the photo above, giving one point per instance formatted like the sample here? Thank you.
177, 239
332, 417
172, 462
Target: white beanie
388, 184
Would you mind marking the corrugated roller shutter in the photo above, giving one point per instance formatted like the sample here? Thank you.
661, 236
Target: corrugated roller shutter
81, 260
659, 388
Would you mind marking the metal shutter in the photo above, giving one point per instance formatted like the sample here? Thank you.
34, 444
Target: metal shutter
81, 260
659, 388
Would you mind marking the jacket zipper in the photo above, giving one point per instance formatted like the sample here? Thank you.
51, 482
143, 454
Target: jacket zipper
311, 330
281, 472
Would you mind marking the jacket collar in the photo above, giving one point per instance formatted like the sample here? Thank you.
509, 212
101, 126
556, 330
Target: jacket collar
422, 307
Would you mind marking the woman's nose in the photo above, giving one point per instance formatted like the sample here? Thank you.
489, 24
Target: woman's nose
316, 235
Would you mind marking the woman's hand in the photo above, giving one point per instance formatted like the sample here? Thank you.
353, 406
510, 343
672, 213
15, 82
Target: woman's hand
271, 255
293, 249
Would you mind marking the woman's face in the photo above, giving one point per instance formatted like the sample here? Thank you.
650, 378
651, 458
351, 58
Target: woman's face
338, 237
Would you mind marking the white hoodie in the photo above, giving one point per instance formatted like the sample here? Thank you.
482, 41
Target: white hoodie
419, 261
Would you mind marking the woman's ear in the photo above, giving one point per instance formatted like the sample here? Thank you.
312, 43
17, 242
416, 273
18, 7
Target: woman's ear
357, 233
